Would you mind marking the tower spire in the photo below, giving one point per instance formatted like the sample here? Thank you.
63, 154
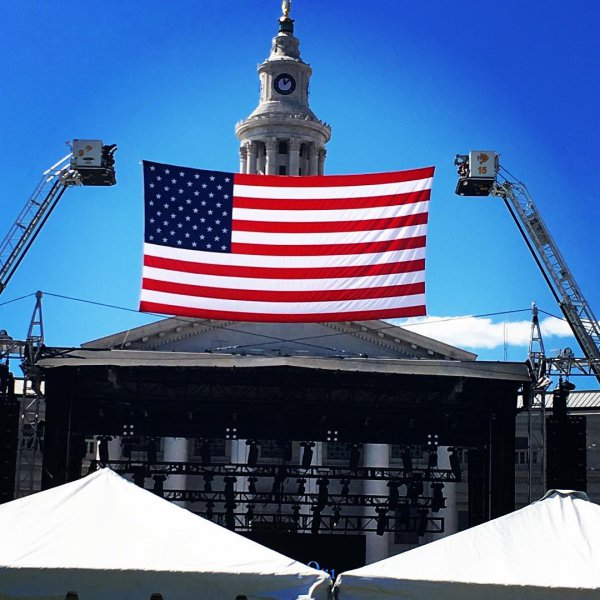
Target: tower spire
286, 24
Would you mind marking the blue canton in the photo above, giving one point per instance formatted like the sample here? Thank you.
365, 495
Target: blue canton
188, 208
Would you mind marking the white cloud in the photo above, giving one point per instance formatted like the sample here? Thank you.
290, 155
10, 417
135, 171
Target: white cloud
482, 332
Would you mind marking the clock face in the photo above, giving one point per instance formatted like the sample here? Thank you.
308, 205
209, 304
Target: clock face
284, 84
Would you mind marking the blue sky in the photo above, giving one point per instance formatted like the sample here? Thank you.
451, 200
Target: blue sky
402, 85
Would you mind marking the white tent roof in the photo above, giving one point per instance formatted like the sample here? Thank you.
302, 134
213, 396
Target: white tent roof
550, 549
103, 537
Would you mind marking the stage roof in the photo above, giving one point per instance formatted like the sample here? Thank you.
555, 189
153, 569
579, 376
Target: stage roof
508, 371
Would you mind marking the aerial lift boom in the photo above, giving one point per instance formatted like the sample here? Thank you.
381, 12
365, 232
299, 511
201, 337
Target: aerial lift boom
480, 174
89, 163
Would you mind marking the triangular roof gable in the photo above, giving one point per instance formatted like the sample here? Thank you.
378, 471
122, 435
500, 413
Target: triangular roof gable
355, 338
552, 543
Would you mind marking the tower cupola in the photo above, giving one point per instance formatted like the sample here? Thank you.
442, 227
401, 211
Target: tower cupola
282, 136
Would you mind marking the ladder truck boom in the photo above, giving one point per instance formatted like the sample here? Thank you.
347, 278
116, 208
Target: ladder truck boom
480, 174
89, 163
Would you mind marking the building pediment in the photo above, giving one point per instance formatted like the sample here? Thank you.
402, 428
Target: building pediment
375, 339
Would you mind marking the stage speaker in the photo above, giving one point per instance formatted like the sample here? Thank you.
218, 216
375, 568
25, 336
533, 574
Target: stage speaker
9, 432
566, 458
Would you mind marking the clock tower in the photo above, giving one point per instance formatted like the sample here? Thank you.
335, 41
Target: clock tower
282, 136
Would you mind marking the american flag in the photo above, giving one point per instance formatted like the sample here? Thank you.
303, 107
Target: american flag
284, 249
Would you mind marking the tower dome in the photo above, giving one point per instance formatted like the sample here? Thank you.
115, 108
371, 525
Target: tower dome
282, 136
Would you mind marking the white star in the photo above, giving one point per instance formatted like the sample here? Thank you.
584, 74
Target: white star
202, 220
188, 201
158, 213
194, 244
188, 218
167, 171
218, 205
158, 196
189, 184
172, 198
180, 208
166, 205
224, 230
159, 179
201, 237
166, 188
224, 213
210, 212
196, 193
151, 185
227, 180
194, 227
173, 180
203, 202
179, 225
150, 237
211, 195
158, 230
218, 222
181, 173
173, 215
226, 197
204, 185
209, 246
151, 220
165, 223
195, 210
180, 191
196, 176
172, 232
212, 178
219, 187
179, 242
152, 168
164, 240
223, 247
187, 235
209, 229
151, 203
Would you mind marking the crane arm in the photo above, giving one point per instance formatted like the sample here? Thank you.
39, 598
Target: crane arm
90, 163
481, 175
35, 213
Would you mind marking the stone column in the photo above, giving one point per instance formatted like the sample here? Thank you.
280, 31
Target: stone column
322, 155
114, 448
376, 455
294, 150
176, 450
271, 163
243, 158
313, 160
252, 152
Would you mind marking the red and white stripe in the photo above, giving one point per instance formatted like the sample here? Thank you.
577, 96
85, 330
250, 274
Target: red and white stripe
331, 248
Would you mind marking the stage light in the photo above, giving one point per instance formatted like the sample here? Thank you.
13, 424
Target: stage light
323, 494
432, 460
336, 516
422, 522
354, 456
208, 477
437, 501
230, 517
454, 460
159, 485
252, 452
394, 496
139, 476
345, 487
316, 520
252, 485
301, 487
307, 453
407, 465
229, 490
382, 520
249, 515
415, 488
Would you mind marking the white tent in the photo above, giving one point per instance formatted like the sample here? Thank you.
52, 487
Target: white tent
105, 538
550, 549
